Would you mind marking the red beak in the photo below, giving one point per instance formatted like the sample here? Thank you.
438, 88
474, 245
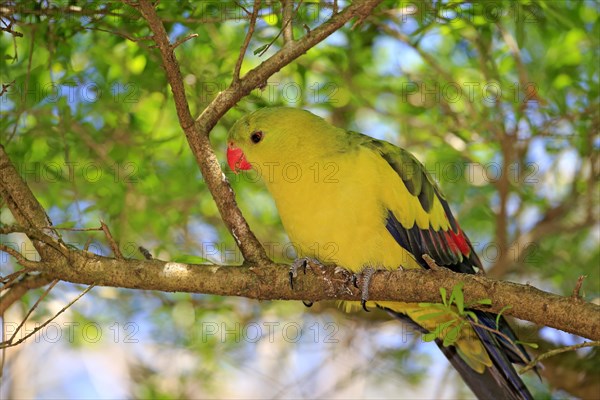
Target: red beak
236, 159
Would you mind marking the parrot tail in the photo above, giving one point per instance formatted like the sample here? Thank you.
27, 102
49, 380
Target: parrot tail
500, 381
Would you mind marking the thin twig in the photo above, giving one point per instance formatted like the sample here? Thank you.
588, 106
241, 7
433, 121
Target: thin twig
240, 5
121, 34
35, 235
10, 278
430, 262
238, 64
577, 289
504, 336
37, 329
111, 241
18, 256
38, 301
183, 40
287, 14
23, 104
21, 287
10, 30
285, 24
73, 229
554, 352
521, 68
86, 246
5, 87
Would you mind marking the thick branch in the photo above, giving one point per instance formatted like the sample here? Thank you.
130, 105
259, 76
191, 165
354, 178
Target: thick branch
268, 281
271, 282
18, 289
28, 212
23, 205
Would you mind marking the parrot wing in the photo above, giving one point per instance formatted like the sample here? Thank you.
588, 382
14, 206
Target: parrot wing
444, 241
439, 235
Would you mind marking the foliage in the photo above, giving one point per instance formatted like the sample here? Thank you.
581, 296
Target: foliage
455, 306
500, 100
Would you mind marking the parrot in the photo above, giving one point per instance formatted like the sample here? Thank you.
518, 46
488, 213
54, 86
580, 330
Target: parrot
364, 204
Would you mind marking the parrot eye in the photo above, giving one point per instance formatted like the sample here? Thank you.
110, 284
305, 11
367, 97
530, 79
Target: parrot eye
256, 136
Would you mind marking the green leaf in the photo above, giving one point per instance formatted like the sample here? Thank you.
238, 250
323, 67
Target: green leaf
500, 313
458, 298
443, 293
429, 337
261, 48
452, 335
471, 315
529, 344
486, 302
440, 328
431, 315
39, 149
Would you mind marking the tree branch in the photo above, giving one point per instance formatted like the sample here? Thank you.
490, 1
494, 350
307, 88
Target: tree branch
18, 289
271, 282
286, 22
11, 342
238, 64
197, 131
551, 353
25, 208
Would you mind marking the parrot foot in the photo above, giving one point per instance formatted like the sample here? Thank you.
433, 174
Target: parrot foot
347, 275
367, 274
301, 263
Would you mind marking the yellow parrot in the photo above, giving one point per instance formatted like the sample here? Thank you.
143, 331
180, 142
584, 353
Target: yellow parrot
365, 204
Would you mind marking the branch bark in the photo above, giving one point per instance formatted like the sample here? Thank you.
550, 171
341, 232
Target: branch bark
28, 212
271, 282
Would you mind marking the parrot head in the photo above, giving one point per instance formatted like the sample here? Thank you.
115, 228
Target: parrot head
274, 135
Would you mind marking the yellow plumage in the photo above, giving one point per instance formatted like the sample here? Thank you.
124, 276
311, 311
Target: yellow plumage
335, 192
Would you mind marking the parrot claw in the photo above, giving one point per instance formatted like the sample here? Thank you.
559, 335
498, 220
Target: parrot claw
300, 263
366, 281
355, 280
363, 303
307, 304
